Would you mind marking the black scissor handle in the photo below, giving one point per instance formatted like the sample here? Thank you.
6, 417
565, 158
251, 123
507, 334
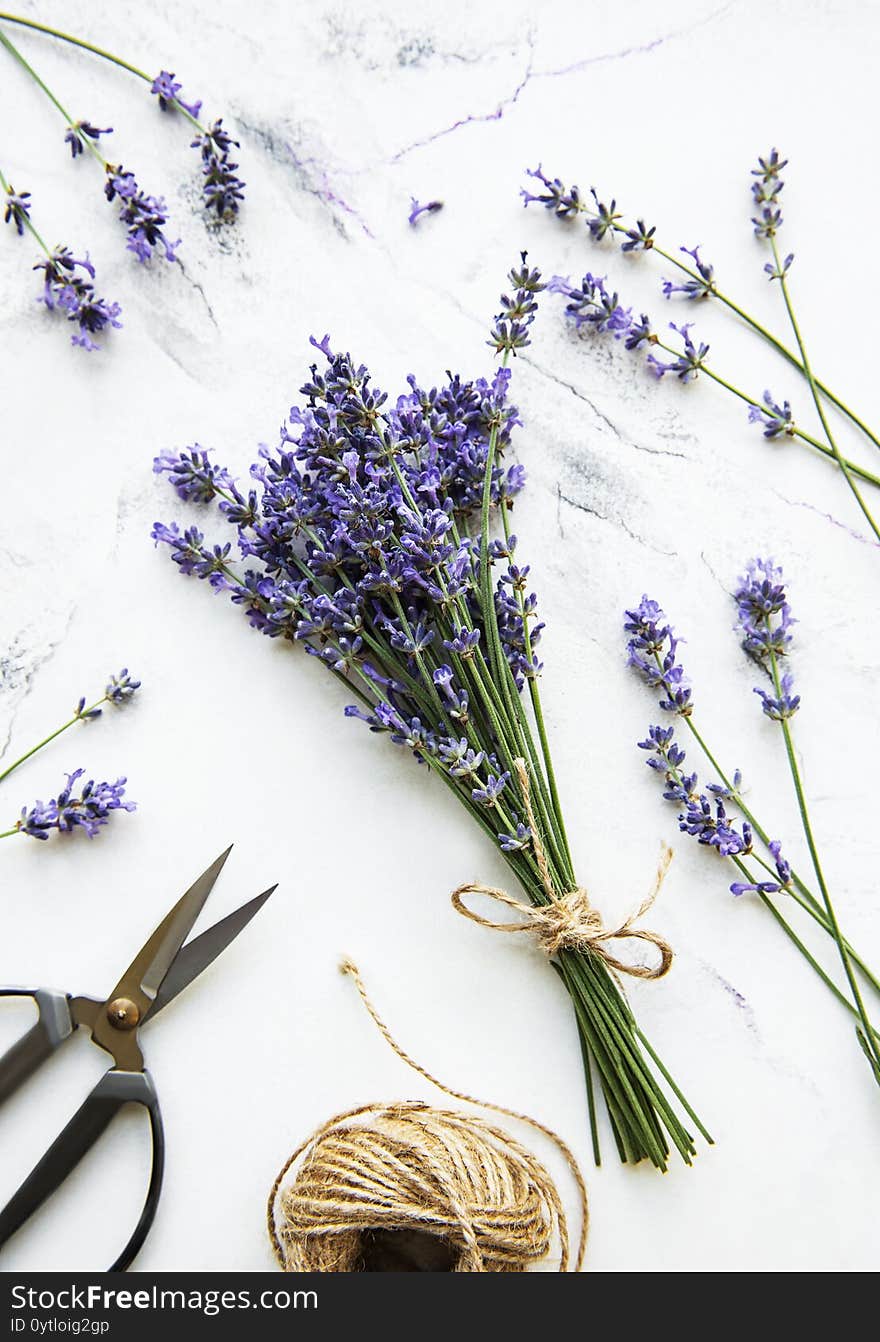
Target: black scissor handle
51, 1029
115, 1089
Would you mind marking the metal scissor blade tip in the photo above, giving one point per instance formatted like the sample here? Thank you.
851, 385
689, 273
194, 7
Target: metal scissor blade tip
197, 954
174, 930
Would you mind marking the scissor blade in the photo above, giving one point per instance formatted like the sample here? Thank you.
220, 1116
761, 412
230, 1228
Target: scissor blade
204, 949
143, 978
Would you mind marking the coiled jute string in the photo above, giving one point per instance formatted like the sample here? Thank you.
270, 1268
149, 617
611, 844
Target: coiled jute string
406, 1172
569, 921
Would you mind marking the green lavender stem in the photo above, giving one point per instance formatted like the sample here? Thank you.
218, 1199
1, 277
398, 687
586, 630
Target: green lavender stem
848, 467
78, 717
84, 140
814, 391
817, 867
96, 51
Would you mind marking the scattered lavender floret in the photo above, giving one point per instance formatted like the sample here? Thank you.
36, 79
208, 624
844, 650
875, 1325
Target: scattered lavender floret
67, 290
88, 809
144, 216
417, 209
17, 209
168, 90
75, 134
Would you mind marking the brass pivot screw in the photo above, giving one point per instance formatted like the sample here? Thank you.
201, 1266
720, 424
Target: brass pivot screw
123, 1014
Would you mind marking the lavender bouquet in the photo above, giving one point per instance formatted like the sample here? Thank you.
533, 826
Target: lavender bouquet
764, 622
357, 541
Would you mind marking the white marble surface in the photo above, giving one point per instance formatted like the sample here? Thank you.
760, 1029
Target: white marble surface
344, 111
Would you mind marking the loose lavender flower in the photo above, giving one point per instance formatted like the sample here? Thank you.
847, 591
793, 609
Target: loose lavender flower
89, 809
74, 136
222, 189
776, 419
652, 650
168, 90
66, 290
417, 209
700, 286
510, 331
144, 216
686, 365
17, 209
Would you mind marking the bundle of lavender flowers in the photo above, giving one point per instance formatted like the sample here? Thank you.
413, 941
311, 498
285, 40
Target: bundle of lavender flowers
764, 623
144, 216
594, 306
356, 542
85, 807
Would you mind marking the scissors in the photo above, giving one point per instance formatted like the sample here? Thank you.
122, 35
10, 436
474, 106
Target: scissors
159, 971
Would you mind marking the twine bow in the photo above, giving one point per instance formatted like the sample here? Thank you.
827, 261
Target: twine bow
569, 921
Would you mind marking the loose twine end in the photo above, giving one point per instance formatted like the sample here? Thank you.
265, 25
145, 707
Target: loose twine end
569, 921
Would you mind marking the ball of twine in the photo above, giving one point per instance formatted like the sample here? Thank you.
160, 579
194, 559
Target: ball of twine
411, 1171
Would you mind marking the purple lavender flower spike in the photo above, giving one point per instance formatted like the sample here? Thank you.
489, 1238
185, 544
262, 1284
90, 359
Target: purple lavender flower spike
417, 209
591, 305
74, 134
764, 620
510, 331
66, 290
222, 189
17, 209
89, 809
774, 418
652, 650
144, 216
168, 90
122, 687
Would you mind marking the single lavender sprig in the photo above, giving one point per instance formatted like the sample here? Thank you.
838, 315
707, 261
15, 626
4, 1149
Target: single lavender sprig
222, 189
764, 622
88, 809
118, 691
766, 191
764, 619
568, 202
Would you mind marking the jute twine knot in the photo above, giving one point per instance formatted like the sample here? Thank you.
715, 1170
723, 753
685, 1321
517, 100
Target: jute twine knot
569, 921
406, 1167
